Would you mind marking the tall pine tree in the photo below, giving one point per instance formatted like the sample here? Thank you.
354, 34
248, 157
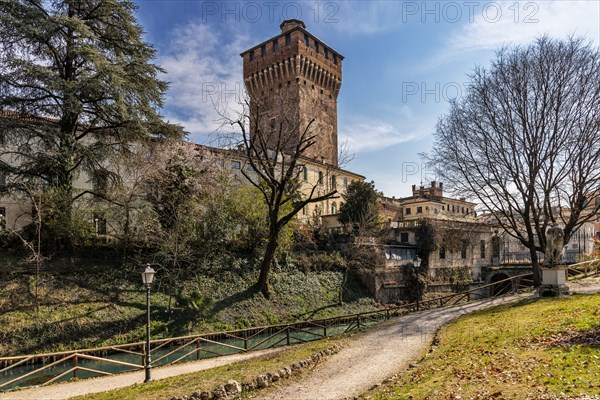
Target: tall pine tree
77, 85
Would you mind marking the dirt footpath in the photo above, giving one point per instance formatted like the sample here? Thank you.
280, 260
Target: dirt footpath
377, 354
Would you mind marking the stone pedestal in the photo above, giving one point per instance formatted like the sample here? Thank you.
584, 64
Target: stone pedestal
554, 282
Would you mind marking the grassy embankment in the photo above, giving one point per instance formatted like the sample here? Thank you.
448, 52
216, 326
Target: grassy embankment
536, 349
93, 303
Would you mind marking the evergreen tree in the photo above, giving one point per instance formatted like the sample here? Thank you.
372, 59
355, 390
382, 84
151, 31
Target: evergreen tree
77, 85
359, 210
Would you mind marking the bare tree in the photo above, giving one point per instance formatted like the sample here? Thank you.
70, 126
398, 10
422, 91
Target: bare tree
275, 141
32, 194
525, 140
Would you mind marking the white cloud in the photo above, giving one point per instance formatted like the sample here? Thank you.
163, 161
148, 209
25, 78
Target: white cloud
205, 75
363, 134
514, 23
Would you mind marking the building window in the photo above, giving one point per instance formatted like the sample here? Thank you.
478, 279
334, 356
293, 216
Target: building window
333, 182
419, 210
407, 211
316, 47
334, 58
306, 40
320, 178
236, 165
304, 212
305, 173
482, 249
263, 51
462, 210
2, 139
288, 39
345, 183
251, 55
275, 45
2, 183
442, 253
326, 52
463, 249
403, 237
452, 208
2, 218
333, 208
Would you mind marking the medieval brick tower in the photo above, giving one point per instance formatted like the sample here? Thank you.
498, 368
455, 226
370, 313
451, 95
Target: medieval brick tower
296, 77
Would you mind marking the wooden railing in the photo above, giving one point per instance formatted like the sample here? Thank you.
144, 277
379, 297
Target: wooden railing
583, 269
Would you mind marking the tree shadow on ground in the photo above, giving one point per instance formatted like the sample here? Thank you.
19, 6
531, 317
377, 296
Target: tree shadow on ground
238, 297
587, 338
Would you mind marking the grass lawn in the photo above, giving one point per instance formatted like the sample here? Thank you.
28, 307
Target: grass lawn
535, 349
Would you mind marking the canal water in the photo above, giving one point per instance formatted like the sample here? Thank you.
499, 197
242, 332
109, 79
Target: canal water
197, 352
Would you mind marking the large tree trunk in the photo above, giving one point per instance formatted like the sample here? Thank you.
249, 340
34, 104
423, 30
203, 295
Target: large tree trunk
265, 266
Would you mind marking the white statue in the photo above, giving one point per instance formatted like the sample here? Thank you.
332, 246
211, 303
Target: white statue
554, 245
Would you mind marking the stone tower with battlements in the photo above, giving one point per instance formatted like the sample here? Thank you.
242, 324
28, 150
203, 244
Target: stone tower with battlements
294, 75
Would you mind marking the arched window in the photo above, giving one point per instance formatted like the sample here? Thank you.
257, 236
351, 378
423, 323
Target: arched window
333, 208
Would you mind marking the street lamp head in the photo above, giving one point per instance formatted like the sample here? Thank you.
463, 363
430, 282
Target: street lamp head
148, 275
417, 262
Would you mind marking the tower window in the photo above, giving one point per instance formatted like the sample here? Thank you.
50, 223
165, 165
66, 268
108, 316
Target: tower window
275, 45
263, 51
442, 252
326, 50
334, 59
316, 47
251, 55
288, 39
306, 40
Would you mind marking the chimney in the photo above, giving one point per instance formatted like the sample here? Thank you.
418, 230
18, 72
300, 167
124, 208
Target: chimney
432, 184
290, 24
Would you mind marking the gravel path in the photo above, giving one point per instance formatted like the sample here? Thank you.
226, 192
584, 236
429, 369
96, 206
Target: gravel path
377, 354
371, 357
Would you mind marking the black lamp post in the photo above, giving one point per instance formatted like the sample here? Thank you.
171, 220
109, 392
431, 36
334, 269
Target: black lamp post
417, 264
147, 278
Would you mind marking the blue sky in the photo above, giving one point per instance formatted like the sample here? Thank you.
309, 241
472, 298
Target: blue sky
403, 61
